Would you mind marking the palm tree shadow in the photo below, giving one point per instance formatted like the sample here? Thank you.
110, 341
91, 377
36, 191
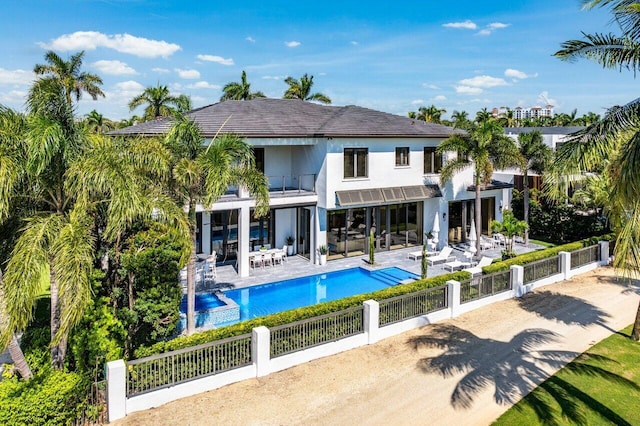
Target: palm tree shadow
565, 309
513, 368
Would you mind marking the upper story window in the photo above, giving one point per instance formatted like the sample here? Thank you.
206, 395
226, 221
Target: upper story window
402, 156
432, 160
258, 154
355, 162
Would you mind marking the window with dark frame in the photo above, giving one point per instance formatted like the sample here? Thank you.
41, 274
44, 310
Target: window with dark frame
402, 156
432, 160
355, 162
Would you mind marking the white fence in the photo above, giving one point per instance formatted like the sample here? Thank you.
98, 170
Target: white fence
263, 363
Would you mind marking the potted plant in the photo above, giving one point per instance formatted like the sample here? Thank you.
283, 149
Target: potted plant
323, 250
289, 241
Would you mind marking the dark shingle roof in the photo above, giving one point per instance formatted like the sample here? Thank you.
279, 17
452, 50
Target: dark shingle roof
294, 118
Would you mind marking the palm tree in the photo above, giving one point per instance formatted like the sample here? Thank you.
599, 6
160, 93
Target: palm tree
202, 174
533, 155
13, 345
615, 139
184, 104
241, 91
589, 118
68, 177
482, 147
483, 115
97, 123
68, 73
430, 114
159, 101
460, 119
301, 89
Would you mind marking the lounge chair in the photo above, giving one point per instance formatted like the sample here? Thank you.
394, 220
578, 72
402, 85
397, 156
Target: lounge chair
485, 261
452, 266
443, 256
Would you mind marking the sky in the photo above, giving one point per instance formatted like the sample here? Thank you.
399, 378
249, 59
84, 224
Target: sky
379, 54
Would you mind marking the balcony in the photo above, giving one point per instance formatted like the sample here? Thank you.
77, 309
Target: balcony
292, 184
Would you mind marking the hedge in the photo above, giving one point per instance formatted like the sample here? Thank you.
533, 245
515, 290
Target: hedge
534, 256
296, 315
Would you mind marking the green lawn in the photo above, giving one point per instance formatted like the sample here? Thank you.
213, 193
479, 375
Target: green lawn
542, 243
602, 386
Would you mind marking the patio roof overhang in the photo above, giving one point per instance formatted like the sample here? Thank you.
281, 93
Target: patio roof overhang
396, 194
495, 184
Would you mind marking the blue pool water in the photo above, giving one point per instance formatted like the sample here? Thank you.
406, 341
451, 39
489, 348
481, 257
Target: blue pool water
266, 299
204, 301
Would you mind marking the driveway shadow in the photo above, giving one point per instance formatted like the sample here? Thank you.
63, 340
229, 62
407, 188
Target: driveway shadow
562, 308
512, 368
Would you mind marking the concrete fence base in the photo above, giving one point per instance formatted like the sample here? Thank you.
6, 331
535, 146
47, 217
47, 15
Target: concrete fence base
262, 363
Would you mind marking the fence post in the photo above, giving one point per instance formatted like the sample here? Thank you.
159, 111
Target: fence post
116, 390
261, 350
371, 320
453, 290
604, 252
565, 264
517, 281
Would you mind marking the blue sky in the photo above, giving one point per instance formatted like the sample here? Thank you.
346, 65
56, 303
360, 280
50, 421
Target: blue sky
393, 57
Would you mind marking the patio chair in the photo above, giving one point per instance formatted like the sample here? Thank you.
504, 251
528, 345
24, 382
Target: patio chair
485, 261
284, 253
255, 260
267, 259
277, 257
443, 256
456, 264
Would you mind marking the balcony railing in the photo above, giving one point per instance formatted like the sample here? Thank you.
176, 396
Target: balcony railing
292, 183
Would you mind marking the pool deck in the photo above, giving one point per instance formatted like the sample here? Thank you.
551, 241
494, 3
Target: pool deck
298, 266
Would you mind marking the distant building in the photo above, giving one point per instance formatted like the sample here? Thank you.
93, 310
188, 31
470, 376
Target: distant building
520, 113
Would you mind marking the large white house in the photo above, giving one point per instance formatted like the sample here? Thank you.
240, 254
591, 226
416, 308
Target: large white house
335, 174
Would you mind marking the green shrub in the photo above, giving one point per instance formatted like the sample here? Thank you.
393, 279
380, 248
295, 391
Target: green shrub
51, 397
296, 314
544, 254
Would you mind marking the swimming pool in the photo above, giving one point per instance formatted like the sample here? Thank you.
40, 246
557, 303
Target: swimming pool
271, 298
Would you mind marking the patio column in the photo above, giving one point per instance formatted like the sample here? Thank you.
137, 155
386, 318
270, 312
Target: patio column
205, 238
244, 229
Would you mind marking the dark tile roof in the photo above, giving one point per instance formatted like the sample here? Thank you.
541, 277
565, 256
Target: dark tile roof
272, 118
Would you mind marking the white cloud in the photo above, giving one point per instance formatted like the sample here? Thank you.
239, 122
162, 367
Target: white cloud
198, 99
497, 25
417, 102
492, 27
203, 85
13, 97
483, 81
217, 59
544, 99
430, 86
271, 77
510, 72
19, 77
188, 74
292, 43
113, 67
467, 25
250, 39
161, 70
125, 43
124, 91
467, 90
440, 98
354, 43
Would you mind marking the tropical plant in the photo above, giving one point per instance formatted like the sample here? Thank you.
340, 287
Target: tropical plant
460, 119
158, 100
483, 147
97, 123
202, 174
372, 247
533, 155
70, 178
483, 115
69, 75
430, 114
239, 91
301, 89
615, 138
424, 264
510, 227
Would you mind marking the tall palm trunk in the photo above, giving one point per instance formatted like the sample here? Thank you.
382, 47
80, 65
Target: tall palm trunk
19, 361
191, 271
478, 215
526, 205
635, 333
57, 350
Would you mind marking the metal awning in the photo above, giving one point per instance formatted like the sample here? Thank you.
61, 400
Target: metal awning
495, 184
396, 194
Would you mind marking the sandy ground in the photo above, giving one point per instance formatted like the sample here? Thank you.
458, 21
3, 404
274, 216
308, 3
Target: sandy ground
467, 370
